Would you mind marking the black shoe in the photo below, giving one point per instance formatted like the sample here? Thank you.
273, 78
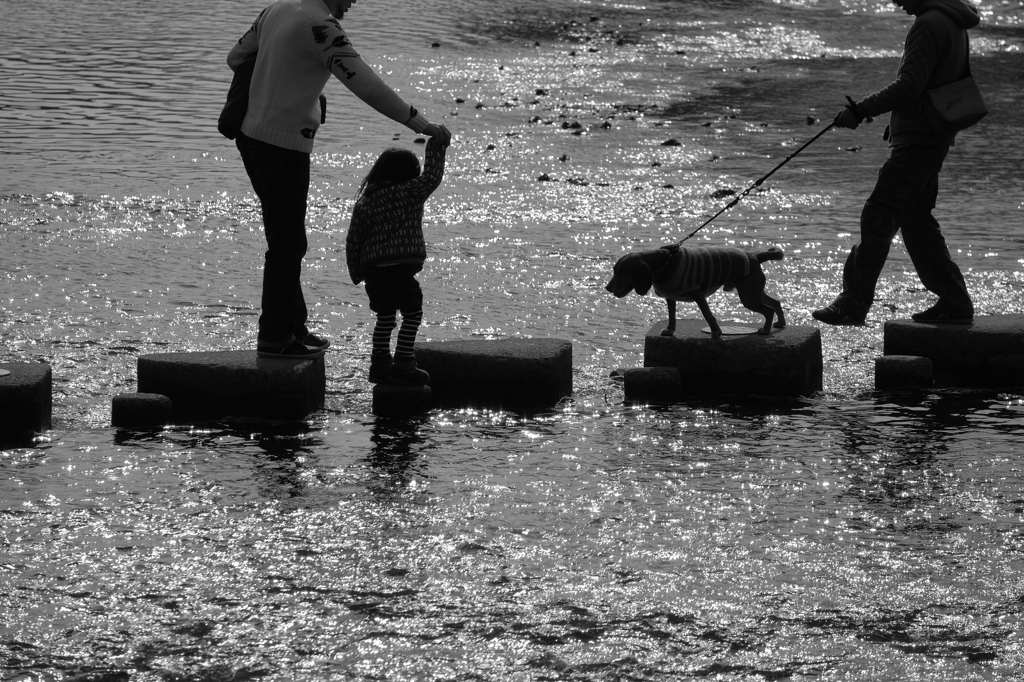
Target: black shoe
311, 340
408, 373
835, 315
380, 370
292, 350
942, 314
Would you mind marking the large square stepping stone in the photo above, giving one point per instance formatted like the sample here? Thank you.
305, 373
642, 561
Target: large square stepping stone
986, 354
214, 384
26, 398
512, 374
785, 363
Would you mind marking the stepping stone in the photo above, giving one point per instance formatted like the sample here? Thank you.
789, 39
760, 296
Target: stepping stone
141, 410
393, 400
26, 398
986, 354
652, 385
512, 374
214, 384
902, 371
785, 363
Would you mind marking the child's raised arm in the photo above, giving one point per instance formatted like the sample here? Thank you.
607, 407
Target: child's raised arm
433, 164
439, 131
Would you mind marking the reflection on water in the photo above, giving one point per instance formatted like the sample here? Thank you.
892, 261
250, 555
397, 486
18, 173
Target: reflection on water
852, 536
397, 454
856, 540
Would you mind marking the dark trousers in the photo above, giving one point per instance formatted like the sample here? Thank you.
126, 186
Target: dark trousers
394, 288
280, 178
903, 199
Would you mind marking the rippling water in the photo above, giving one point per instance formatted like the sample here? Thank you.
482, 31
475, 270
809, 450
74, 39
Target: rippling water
855, 535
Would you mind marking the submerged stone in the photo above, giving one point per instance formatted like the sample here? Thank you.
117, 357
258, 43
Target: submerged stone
902, 372
986, 354
141, 410
785, 363
652, 384
513, 374
214, 384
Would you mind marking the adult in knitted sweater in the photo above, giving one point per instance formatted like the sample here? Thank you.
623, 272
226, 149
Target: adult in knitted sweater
298, 45
934, 54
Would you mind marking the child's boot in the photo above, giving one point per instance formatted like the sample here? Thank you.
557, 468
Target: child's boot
380, 367
406, 372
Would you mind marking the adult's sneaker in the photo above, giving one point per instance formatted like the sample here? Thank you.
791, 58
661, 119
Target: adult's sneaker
943, 314
315, 341
292, 350
836, 315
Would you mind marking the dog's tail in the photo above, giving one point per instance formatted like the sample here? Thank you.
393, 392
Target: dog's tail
774, 253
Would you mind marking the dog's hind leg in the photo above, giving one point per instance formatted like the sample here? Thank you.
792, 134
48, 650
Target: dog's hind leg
777, 306
752, 296
671, 328
705, 310
768, 312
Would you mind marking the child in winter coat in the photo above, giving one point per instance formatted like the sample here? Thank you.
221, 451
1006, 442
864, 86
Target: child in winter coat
385, 248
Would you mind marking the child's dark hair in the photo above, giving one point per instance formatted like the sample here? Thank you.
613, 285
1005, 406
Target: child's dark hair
394, 166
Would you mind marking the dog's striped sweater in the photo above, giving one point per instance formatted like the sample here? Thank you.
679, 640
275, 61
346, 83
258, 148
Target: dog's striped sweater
701, 271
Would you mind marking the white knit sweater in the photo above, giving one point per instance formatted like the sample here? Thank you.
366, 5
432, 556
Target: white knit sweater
298, 46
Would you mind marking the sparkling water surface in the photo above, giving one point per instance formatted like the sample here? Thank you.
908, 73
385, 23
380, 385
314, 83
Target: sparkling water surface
853, 535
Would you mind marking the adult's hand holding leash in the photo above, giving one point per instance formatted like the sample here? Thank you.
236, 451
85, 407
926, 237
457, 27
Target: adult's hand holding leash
849, 117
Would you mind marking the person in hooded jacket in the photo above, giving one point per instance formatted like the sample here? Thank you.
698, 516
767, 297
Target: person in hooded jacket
935, 54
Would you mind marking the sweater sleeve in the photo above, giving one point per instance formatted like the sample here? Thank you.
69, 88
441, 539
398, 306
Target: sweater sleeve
341, 58
353, 247
433, 170
920, 59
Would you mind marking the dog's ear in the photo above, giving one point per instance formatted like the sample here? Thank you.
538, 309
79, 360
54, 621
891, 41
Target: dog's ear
659, 258
651, 263
644, 278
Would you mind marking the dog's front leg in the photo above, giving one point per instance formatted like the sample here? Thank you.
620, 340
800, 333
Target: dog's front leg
671, 328
702, 303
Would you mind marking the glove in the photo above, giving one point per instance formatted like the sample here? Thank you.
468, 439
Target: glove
849, 116
846, 119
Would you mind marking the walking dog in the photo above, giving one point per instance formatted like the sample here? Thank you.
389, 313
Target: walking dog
680, 273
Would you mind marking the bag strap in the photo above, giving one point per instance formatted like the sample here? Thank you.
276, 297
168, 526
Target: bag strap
967, 55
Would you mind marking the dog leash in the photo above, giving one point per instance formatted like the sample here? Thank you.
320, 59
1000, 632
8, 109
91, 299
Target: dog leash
745, 192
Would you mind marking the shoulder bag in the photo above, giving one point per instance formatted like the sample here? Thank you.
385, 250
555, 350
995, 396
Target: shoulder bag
230, 122
955, 106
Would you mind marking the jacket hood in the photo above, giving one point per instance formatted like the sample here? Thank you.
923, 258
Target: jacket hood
960, 11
